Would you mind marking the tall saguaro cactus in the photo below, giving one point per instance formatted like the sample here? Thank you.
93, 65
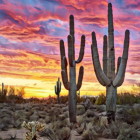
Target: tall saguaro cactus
58, 89
107, 76
71, 84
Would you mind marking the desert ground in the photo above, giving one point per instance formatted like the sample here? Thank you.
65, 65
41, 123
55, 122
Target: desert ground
91, 122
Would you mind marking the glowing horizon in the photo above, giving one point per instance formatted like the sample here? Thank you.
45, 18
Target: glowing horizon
30, 32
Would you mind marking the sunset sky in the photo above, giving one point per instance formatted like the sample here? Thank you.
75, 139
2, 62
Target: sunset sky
30, 31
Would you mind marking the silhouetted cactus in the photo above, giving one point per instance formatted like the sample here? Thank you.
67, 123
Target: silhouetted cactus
107, 76
71, 85
3, 92
58, 89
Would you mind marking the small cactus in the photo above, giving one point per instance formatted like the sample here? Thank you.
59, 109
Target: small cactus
58, 89
3, 92
33, 127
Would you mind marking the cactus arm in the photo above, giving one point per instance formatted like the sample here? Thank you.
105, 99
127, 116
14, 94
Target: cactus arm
65, 82
62, 53
118, 64
55, 90
81, 53
121, 72
64, 75
105, 54
97, 74
97, 67
80, 78
62, 50
60, 86
70, 51
111, 50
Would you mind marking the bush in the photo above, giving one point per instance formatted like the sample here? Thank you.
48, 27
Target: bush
101, 99
63, 99
127, 98
92, 100
21, 91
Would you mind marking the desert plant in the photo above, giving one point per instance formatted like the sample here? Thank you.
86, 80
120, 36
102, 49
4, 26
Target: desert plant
58, 89
89, 133
32, 128
63, 133
21, 92
107, 76
100, 100
11, 91
127, 98
71, 85
3, 93
92, 100
63, 99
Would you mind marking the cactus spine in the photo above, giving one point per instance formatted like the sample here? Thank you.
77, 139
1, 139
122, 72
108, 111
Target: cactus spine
71, 84
107, 76
58, 89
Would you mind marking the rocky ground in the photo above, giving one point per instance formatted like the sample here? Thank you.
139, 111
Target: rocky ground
91, 122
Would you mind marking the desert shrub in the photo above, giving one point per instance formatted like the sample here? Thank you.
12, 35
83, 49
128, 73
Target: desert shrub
89, 133
127, 98
95, 121
129, 133
57, 125
15, 99
63, 134
63, 99
80, 110
21, 92
81, 99
112, 130
101, 108
11, 90
134, 113
101, 99
92, 100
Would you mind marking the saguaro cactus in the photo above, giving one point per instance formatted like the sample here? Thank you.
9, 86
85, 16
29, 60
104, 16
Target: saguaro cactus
58, 89
71, 85
107, 76
3, 93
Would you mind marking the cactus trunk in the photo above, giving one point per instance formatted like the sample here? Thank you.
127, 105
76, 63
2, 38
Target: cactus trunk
58, 99
72, 95
107, 76
111, 98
